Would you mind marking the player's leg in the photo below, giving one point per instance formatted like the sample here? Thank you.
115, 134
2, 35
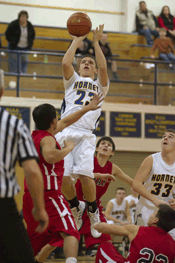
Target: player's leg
84, 166
107, 253
44, 253
70, 248
68, 189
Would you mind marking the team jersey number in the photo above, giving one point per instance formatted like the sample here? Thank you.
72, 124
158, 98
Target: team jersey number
149, 253
82, 94
157, 188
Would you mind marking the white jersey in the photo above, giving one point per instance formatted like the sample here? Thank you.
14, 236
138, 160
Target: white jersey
129, 198
161, 181
118, 211
78, 92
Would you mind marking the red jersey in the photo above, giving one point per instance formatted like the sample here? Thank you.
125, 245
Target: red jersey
151, 244
52, 173
101, 186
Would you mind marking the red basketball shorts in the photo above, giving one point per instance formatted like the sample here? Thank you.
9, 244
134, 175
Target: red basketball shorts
107, 253
60, 220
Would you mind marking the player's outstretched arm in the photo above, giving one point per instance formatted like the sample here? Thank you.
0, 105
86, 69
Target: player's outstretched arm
116, 171
68, 58
70, 119
129, 230
100, 58
141, 176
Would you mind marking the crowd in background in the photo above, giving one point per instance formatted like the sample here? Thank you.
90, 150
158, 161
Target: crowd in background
20, 35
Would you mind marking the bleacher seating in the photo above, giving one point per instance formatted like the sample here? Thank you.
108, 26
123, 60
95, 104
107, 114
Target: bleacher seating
128, 46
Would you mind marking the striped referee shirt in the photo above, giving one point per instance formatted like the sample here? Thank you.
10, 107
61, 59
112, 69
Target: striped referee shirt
15, 144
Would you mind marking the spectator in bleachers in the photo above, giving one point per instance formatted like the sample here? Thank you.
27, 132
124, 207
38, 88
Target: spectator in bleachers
167, 21
108, 54
20, 35
117, 209
132, 201
85, 47
165, 48
146, 23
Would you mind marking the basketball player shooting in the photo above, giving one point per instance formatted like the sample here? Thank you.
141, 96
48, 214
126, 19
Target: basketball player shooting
79, 90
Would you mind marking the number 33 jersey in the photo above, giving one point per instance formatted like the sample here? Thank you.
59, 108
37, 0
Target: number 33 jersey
79, 91
161, 181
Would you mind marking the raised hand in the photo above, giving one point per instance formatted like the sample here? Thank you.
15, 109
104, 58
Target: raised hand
94, 104
78, 39
98, 33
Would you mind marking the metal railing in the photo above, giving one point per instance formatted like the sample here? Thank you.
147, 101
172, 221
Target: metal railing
155, 83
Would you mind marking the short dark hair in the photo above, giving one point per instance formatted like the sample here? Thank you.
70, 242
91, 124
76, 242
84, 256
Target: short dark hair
119, 188
23, 13
142, 2
89, 56
170, 130
166, 216
106, 138
43, 116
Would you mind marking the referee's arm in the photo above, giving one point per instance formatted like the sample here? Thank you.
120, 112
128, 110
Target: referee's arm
28, 160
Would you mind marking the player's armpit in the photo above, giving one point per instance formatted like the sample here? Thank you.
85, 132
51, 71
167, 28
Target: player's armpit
116, 171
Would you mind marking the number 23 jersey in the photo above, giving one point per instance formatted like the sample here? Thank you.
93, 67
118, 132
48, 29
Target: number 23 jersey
79, 91
161, 181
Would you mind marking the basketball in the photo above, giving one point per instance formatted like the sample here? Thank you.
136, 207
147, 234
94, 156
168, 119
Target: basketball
79, 24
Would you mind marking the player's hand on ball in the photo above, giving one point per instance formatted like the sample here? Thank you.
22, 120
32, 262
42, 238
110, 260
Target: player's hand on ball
78, 39
106, 177
98, 33
94, 104
172, 203
42, 217
68, 144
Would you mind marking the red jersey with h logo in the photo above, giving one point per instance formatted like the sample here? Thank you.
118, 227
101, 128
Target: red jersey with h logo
52, 173
101, 186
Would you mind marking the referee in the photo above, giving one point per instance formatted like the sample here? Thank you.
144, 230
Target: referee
16, 144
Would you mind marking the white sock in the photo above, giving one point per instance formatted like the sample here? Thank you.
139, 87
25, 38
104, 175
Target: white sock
71, 260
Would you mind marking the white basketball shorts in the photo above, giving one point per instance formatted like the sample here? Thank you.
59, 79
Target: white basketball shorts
80, 161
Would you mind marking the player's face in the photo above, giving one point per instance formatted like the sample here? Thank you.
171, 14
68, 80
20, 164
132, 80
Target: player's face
120, 195
168, 142
105, 148
87, 67
153, 219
